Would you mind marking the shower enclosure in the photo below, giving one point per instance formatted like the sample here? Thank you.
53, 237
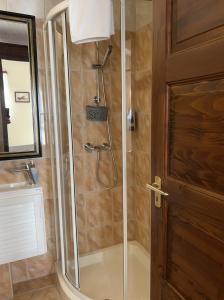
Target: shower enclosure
99, 111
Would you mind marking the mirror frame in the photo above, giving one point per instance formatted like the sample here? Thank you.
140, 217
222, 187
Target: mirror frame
30, 21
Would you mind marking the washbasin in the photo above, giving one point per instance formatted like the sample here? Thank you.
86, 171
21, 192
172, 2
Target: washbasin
14, 186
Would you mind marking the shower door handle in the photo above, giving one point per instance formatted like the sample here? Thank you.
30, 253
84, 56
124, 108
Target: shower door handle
156, 187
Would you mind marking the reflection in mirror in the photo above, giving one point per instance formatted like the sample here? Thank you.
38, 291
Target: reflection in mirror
19, 130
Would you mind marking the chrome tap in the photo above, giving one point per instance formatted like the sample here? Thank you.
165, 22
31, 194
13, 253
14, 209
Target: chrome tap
30, 170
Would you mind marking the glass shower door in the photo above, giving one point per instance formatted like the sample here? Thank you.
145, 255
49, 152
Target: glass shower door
63, 151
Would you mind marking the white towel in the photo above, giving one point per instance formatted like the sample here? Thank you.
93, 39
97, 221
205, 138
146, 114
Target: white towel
91, 20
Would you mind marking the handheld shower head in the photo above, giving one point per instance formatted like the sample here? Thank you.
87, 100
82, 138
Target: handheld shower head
105, 58
107, 55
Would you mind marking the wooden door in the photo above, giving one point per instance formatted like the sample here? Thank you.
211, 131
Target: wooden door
188, 150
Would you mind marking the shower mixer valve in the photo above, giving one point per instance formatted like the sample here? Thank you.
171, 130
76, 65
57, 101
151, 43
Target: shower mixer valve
90, 147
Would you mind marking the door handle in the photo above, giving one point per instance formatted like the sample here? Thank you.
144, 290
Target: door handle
156, 187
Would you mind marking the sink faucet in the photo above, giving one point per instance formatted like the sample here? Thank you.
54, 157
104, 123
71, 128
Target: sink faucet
30, 170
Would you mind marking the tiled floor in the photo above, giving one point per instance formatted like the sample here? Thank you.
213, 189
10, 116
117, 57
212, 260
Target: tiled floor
50, 293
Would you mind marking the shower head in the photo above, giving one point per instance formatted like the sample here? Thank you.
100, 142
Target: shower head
96, 113
105, 58
107, 55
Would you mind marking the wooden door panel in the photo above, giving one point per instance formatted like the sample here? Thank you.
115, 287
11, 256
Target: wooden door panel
188, 203
192, 24
188, 150
169, 293
196, 139
194, 261
200, 62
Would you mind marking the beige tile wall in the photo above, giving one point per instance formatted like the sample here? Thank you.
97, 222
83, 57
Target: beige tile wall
99, 209
142, 135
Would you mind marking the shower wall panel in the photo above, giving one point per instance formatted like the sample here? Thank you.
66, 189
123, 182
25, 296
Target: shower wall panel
99, 209
142, 135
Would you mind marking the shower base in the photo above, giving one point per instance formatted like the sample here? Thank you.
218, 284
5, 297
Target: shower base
101, 273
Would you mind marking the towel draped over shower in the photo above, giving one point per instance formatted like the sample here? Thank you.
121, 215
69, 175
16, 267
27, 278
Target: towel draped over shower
91, 20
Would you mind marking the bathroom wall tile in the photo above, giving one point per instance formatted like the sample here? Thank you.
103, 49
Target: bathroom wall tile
142, 165
117, 204
45, 179
6, 291
81, 212
19, 271
143, 132
131, 203
142, 206
41, 266
22, 288
118, 158
89, 78
143, 13
117, 9
99, 238
143, 44
130, 168
115, 92
49, 293
88, 55
85, 165
116, 53
142, 92
108, 92
131, 230
83, 243
99, 208
78, 104
106, 173
49, 217
118, 231
96, 131
142, 234
79, 139
8, 176
141, 99
75, 57
130, 15
116, 130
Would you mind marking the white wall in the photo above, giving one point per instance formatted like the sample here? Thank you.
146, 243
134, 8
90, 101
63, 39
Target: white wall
38, 8
20, 131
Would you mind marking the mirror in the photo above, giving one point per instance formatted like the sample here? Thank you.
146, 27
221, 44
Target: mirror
19, 119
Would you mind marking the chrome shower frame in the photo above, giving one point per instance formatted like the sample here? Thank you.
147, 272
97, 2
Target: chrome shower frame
72, 289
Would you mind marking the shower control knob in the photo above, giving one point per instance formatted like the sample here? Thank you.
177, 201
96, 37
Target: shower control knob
105, 146
88, 147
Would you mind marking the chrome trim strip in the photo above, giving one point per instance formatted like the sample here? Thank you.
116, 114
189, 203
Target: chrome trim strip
124, 149
56, 134
71, 148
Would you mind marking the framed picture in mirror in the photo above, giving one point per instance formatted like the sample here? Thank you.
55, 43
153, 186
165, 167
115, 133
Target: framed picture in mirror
22, 97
